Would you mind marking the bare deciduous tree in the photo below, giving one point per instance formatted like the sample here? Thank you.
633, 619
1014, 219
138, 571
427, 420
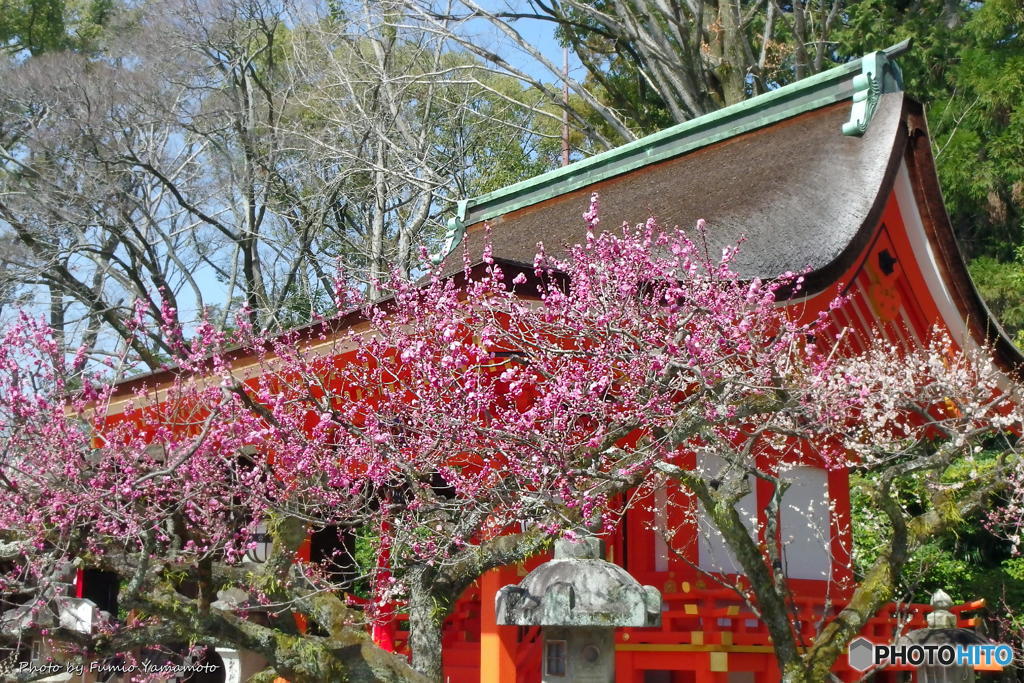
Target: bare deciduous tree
222, 155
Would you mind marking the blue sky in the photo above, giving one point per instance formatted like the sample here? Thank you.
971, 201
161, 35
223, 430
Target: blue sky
540, 34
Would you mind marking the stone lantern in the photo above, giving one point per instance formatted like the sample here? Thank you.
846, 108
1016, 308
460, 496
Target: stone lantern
942, 630
578, 599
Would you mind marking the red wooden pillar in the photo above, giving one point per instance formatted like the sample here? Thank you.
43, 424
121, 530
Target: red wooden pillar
497, 643
625, 668
302, 554
383, 629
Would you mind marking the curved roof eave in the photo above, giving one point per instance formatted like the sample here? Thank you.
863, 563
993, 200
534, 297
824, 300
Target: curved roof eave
977, 316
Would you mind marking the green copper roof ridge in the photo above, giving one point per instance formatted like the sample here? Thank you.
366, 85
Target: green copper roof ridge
643, 150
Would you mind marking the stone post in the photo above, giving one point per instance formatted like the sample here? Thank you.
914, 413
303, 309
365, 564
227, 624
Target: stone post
942, 630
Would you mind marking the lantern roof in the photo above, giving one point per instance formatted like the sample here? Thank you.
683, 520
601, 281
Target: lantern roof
578, 588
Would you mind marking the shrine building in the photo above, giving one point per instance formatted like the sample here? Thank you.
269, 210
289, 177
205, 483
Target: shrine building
833, 176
